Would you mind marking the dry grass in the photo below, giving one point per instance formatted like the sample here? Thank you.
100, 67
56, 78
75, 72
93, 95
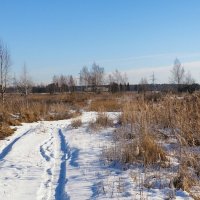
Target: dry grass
152, 153
147, 123
131, 147
5, 131
107, 104
139, 138
184, 180
171, 112
102, 121
76, 123
121, 152
17, 109
51, 107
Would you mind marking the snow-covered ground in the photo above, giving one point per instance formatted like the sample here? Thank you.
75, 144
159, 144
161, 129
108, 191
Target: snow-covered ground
51, 160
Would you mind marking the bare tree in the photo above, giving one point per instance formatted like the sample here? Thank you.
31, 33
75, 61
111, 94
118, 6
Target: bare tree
55, 79
14, 83
71, 83
97, 76
111, 79
177, 72
25, 83
189, 80
5, 63
84, 76
143, 85
93, 77
118, 77
63, 82
117, 81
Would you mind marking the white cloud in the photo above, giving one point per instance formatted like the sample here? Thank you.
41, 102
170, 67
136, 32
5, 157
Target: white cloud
162, 74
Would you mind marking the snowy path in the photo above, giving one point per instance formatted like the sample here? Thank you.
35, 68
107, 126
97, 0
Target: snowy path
51, 160
38, 162
30, 162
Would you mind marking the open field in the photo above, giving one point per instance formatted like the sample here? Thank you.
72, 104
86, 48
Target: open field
100, 100
134, 146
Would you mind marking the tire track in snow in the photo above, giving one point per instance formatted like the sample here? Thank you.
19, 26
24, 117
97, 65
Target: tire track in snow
8, 148
60, 189
46, 151
21, 163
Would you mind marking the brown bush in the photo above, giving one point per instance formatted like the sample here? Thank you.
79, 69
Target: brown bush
76, 123
184, 179
130, 148
150, 151
5, 131
121, 152
103, 120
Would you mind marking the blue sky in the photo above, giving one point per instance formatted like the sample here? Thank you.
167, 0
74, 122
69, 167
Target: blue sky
141, 36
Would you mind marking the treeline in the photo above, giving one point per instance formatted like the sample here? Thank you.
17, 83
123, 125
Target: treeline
113, 88
94, 80
90, 80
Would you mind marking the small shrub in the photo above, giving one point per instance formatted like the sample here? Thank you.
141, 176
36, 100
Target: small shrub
5, 131
30, 116
183, 180
123, 133
124, 153
128, 149
102, 121
151, 151
76, 123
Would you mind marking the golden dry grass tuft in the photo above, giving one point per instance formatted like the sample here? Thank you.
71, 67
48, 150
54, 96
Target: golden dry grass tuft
102, 121
5, 131
76, 123
151, 152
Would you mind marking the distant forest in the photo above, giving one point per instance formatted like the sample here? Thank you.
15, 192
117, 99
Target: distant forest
113, 88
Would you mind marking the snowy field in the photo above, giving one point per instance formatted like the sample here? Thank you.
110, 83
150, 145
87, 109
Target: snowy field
52, 160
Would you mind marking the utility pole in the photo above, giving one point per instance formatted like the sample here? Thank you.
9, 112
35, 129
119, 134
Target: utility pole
153, 79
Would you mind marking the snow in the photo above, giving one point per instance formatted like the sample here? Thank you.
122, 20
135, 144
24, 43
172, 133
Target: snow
51, 160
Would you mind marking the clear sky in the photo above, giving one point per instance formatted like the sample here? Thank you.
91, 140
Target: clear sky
134, 36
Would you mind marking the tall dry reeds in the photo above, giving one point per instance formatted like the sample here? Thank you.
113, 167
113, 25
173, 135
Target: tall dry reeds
36, 107
147, 125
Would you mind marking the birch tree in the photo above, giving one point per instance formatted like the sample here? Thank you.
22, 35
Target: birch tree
25, 83
97, 76
189, 80
177, 72
5, 63
84, 76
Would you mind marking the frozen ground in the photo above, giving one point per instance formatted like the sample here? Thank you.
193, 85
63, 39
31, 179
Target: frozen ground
51, 160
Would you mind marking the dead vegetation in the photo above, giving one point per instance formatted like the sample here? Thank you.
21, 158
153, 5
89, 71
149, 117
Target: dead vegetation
155, 132
102, 121
18, 109
5, 130
106, 103
76, 123
151, 130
